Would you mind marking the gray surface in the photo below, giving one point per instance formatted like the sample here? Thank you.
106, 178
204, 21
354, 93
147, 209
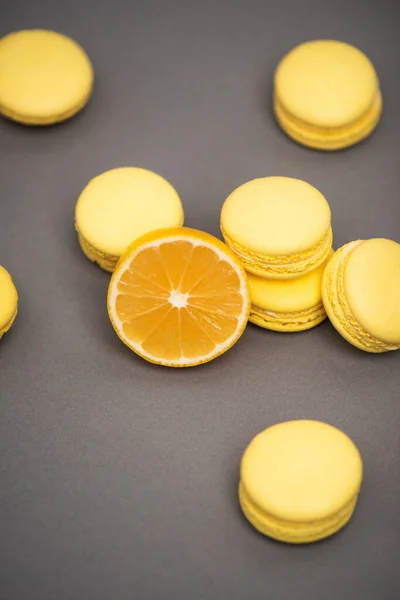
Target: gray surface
118, 479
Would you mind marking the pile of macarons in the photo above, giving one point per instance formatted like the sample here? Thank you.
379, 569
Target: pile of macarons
299, 480
280, 228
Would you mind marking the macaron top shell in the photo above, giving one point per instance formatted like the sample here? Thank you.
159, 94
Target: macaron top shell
8, 297
371, 281
326, 83
120, 205
43, 75
301, 470
289, 295
276, 216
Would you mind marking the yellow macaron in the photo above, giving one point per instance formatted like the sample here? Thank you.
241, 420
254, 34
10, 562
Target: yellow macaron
361, 294
287, 304
327, 95
121, 205
8, 301
279, 227
299, 481
45, 77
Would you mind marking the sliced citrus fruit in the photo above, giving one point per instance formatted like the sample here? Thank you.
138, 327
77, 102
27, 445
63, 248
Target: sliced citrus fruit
178, 297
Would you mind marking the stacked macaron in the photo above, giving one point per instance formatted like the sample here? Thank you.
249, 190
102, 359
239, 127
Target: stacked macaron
280, 228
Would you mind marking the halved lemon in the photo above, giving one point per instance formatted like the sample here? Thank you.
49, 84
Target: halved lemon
178, 297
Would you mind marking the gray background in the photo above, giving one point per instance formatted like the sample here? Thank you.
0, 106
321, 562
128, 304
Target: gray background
118, 479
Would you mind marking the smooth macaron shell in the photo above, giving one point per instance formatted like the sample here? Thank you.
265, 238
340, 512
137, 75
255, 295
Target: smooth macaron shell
121, 205
279, 227
8, 301
45, 77
287, 305
300, 481
361, 294
327, 95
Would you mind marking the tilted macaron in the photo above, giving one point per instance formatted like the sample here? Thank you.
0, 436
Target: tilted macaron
327, 95
361, 294
121, 205
300, 481
279, 227
8, 301
45, 77
287, 305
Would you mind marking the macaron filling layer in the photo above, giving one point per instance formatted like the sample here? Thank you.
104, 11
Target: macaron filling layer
329, 138
289, 321
335, 298
282, 266
294, 531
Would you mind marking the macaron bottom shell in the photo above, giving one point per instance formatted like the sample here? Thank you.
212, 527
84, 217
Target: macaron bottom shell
294, 532
288, 322
329, 139
51, 119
